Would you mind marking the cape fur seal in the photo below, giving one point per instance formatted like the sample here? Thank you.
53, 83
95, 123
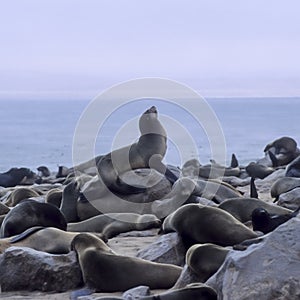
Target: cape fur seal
242, 208
284, 150
205, 259
19, 194
29, 214
50, 239
265, 222
203, 224
16, 176
105, 271
283, 185
113, 224
148, 152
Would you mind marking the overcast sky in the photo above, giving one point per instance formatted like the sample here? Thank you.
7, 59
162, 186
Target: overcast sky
220, 48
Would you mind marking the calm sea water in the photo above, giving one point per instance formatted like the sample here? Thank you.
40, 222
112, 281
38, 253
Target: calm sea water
35, 133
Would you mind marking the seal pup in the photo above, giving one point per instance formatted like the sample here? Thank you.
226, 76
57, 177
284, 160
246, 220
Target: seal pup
205, 259
148, 152
29, 214
105, 271
16, 176
242, 208
265, 222
113, 224
205, 224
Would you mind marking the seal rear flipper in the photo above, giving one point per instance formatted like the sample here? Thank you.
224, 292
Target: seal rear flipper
234, 162
273, 159
253, 190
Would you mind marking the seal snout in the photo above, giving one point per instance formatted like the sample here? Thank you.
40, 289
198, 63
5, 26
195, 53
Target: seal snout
152, 109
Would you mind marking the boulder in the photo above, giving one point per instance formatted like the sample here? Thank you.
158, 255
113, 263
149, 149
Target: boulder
268, 270
27, 269
167, 249
136, 293
290, 200
186, 277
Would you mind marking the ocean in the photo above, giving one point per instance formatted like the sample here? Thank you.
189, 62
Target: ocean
35, 133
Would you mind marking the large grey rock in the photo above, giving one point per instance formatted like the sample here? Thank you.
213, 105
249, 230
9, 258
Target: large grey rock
290, 199
167, 249
186, 277
136, 293
27, 269
265, 271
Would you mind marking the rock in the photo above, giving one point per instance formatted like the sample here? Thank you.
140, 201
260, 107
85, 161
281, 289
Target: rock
167, 249
136, 293
27, 269
186, 277
268, 270
290, 200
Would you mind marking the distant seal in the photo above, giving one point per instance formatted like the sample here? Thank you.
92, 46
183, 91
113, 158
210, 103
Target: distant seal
147, 152
105, 271
44, 171
285, 150
203, 224
242, 208
29, 214
265, 222
113, 224
50, 239
192, 168
205, 259
15, 176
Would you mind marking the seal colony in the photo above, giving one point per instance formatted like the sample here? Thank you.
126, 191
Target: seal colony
130, 192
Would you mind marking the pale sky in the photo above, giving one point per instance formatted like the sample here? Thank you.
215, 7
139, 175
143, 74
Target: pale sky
80, 47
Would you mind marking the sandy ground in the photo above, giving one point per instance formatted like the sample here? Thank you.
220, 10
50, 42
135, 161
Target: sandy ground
128, 244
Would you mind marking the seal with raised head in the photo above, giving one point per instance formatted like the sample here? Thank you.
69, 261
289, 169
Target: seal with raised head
148, 152
31, 213
105, 271
196, 223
